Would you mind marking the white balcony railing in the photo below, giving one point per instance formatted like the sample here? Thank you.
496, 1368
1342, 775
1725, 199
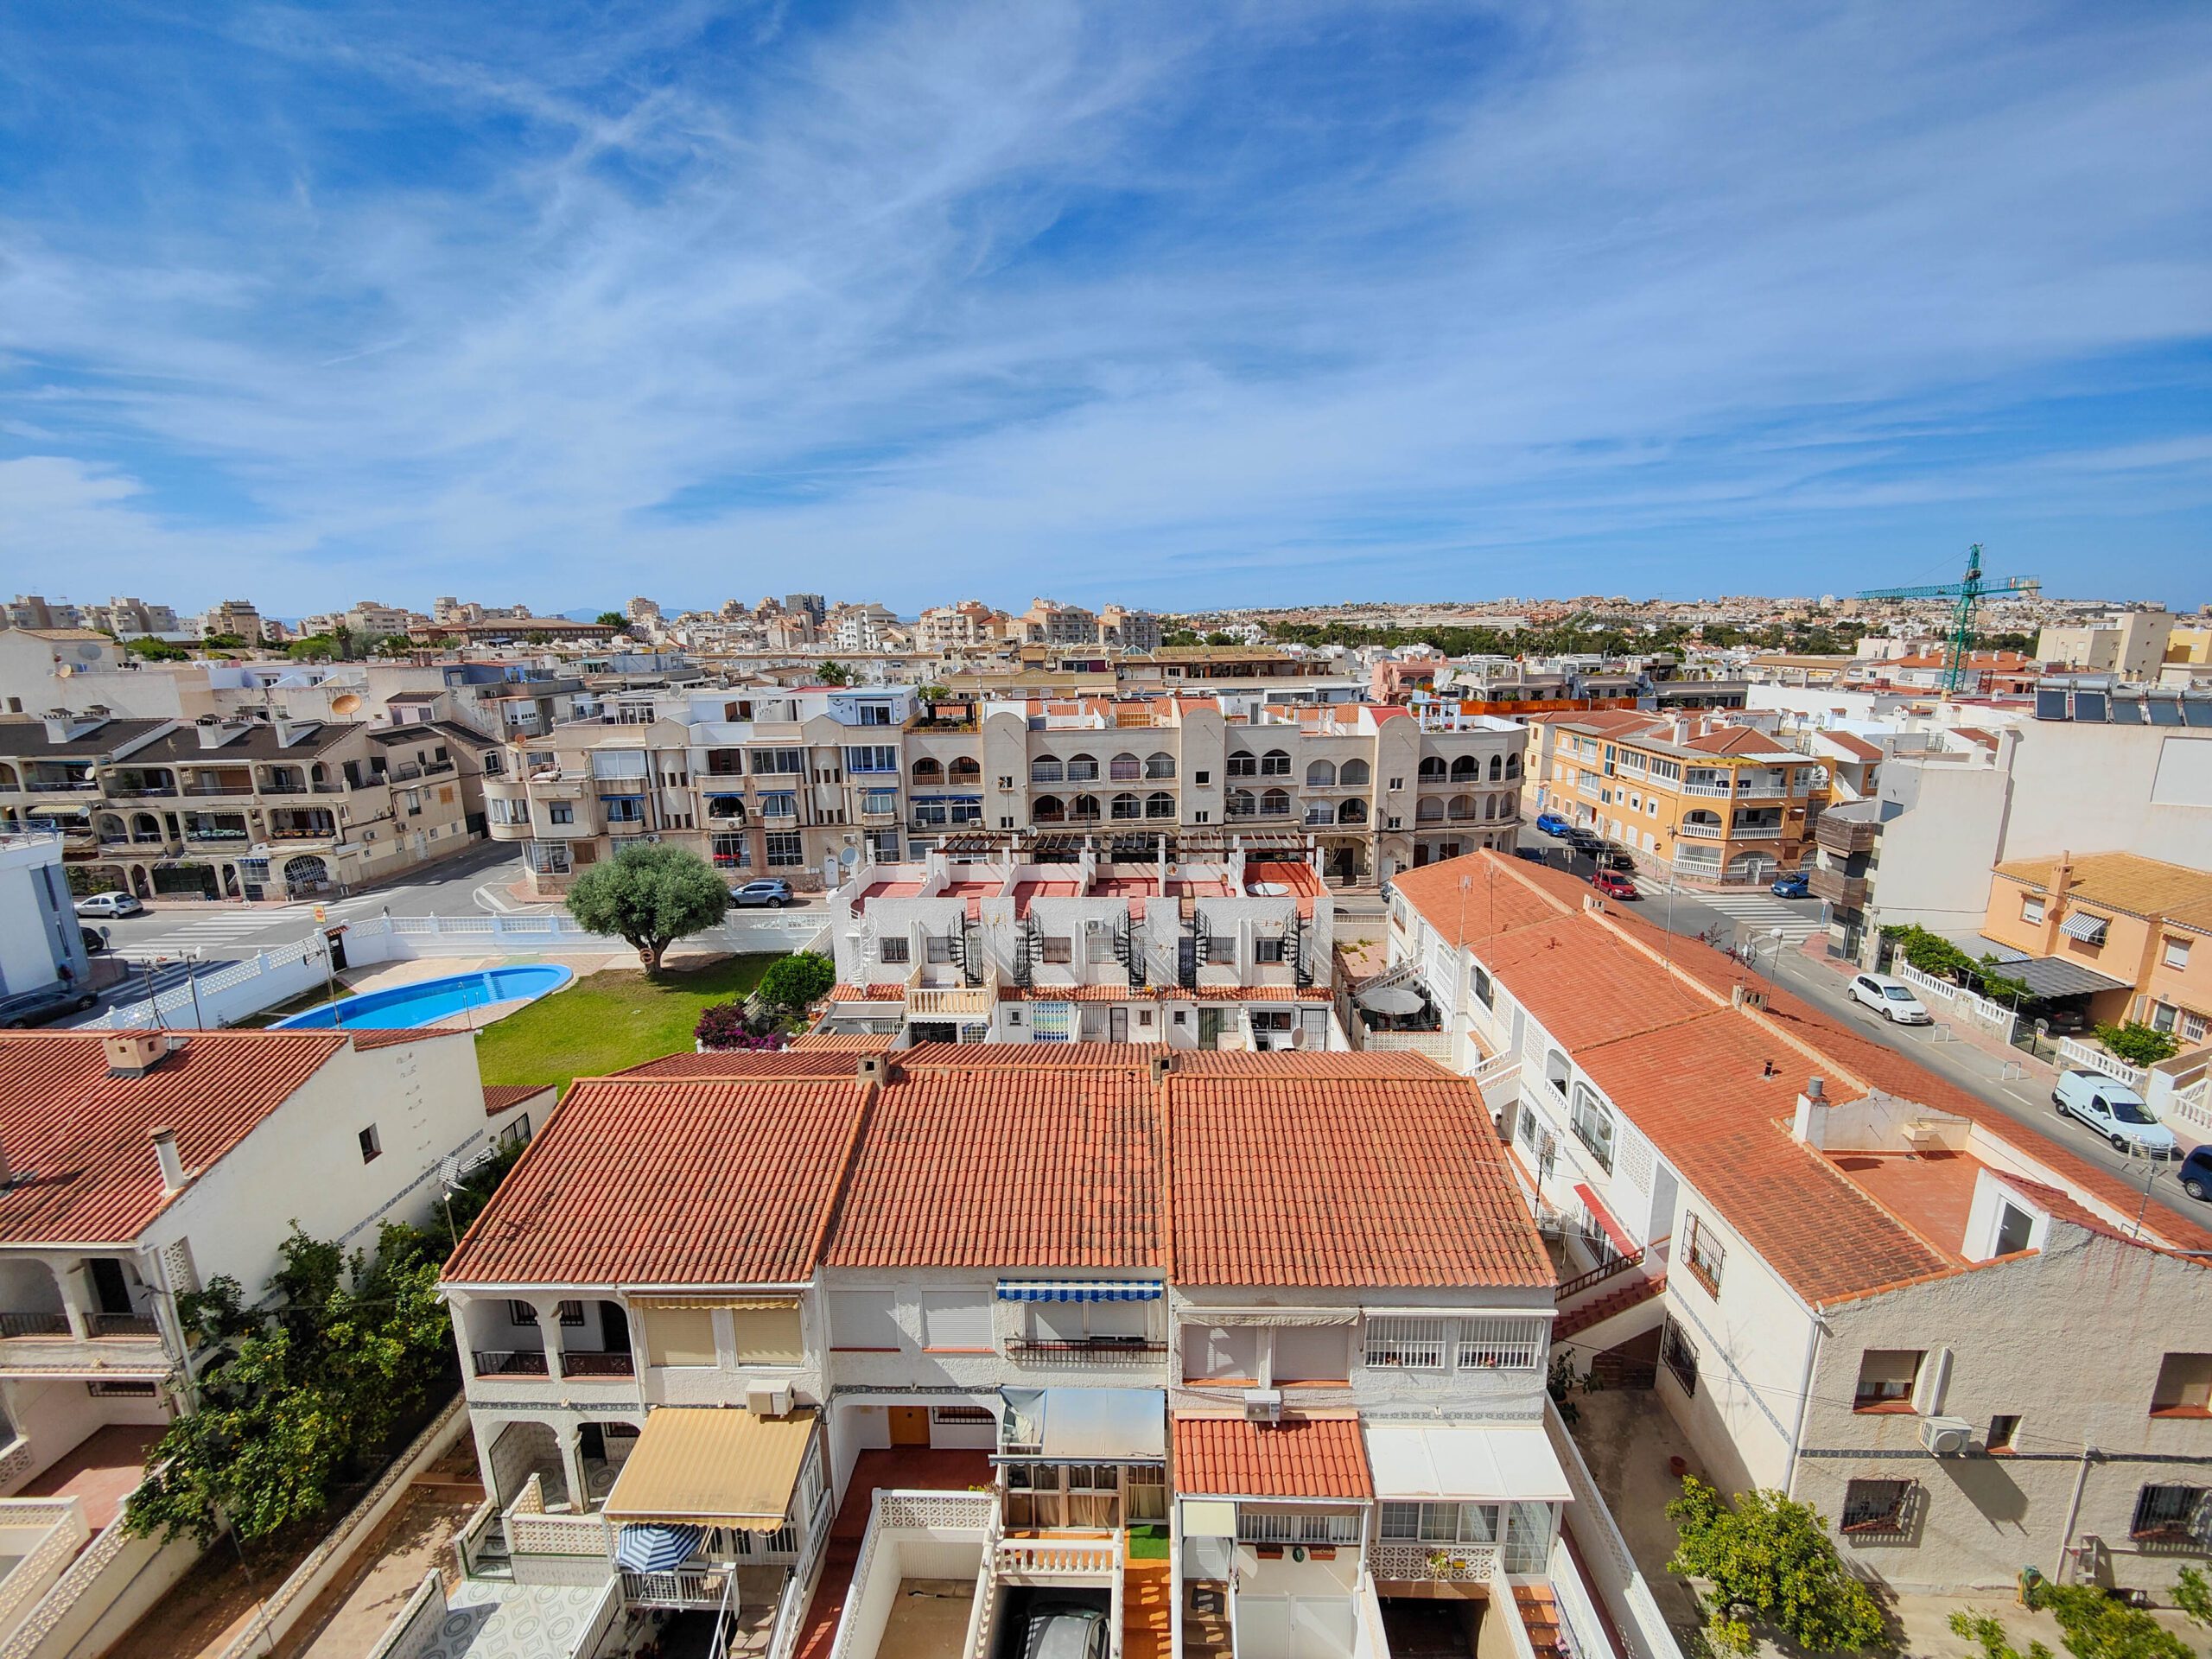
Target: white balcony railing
1721, 791
1408, 1563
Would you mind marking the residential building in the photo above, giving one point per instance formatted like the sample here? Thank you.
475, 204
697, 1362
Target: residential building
1291, 1307
859, 627
231, 806
2090, 766
36, 664
1128, 630
1707, 802
1823, 1257
368, 620
2130, 935
963, 626
145, 1164
1055, 942
235, 617
2130, 644
132, 618
642, 610
1048, 622
34, 610
813, 606
509, 628
41, 940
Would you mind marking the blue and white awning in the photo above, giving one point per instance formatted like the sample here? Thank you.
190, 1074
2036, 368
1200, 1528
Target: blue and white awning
2080, 925
652, 1548
1043, 1290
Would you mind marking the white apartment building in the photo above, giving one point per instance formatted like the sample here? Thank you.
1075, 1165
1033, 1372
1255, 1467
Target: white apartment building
1219, 951
1846, 1277
142, 1164
770, 1335
859, 627
1048, 622
963, 626
40, 939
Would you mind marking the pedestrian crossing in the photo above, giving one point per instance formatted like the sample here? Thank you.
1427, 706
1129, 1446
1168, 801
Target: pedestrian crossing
1759, 913
212, 932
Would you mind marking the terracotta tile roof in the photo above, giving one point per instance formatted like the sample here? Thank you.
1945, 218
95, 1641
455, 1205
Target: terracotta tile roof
1361, 1177
367, 1040
1495, 901
1852, 745
642, 1182
1303, 1457
1740, 740
78, 1140
856, 1042
1025, 1057
884, 992
759, 1063
502, 1096
1047, 1169
2126, 881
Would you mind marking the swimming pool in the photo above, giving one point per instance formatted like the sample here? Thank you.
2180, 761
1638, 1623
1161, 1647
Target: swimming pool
404, 1006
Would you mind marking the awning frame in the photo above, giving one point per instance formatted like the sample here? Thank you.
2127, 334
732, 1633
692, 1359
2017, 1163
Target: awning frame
1097, 1290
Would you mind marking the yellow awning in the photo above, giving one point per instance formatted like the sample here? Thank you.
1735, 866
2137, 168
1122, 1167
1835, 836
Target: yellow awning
714, 1299
713, 1467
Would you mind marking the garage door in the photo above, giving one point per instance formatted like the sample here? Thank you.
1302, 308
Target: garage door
1295, 1627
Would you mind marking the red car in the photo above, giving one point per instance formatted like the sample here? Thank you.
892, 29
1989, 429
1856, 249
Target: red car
1614, 885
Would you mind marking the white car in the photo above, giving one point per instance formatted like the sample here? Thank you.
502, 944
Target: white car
2115, 1111
109, 904
1891, 998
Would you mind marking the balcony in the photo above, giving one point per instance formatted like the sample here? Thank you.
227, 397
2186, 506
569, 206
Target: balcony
73, 786
1773, 831
1088, 1351
506, 1362
208, 791
1409, 1563
1703, 831
974, 1003
1716, 791
609, 1362
1848, 891
1845, 835
122, 1325
34, 1324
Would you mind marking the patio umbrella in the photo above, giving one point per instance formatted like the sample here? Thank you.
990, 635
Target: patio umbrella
653, 1549
1391, 999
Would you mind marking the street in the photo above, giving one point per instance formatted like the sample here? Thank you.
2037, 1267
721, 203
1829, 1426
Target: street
1752, 918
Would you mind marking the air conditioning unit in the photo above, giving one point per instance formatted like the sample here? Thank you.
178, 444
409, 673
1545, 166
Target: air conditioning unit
1947, 1437
1263, 1405
769, 1400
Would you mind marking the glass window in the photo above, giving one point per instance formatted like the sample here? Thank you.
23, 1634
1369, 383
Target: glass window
1407, 1344
1886, 1375
785, 850
1679, 1354
1594, 1125
893, 950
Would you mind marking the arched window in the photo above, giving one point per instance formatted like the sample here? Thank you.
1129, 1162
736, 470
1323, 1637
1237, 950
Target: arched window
1124, 766
1244, 765
1513, 765
1083, 768
1462, 806
1489, 809
1048, 809
1497, 767
1351, 811
1466, 768
1354, 775
1159, 805
1432, 769
1157, 765
1275, 763
927, 771
1128, 806
1045, 769
1321, 775
967, 770
1084, 809
1275, 804
1431, 810
1241, 804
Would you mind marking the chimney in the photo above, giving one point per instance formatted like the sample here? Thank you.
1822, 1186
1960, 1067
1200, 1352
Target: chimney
1810, 1124
1160, 1068
165, 1154
876, 1071
134, 1053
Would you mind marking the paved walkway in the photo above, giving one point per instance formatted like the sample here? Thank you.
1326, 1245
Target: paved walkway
900, 1469
347, 1618
100, 1470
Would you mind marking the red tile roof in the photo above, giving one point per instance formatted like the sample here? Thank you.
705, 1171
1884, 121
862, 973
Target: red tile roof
1303, 1457
367, 1040
80, 1142
857, 1042
499, 1097
1489, 906
1858, 747
756, 1062
1343, 1173
642, 1182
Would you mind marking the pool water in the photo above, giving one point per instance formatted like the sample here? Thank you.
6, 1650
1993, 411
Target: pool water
405, 1007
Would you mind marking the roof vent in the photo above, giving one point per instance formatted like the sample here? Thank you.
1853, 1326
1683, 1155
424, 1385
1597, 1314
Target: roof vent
171, 1165
1161, 1067
1816, 1087
134, 1053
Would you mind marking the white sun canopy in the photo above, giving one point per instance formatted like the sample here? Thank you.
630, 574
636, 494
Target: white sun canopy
1413, 1460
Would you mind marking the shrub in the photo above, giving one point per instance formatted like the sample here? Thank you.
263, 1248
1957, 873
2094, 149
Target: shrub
798, 981
1769, 1559
2139, 1044
724, 1026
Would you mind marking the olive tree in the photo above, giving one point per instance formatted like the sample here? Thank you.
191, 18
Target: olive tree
649, 895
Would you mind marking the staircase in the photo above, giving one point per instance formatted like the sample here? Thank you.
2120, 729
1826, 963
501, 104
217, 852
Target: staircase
1147, 1589
1599, 1309
1540, 1618
1206, 1636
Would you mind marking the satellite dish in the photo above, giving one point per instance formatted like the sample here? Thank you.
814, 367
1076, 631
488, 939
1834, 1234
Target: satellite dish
345, 703
90, 651
850, 857
63, 671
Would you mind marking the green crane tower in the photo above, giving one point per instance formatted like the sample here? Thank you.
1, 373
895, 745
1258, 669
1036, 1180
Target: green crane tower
1969, 592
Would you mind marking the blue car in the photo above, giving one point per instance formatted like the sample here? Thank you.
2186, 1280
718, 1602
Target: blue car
1552, 824
2196, 1175
1799, 886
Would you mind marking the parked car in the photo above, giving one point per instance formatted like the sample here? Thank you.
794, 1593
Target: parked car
773, 891
1534, 855
47, 1002
2113, 1110
1891, 998
1064, 1631
95, 941
1614, 885
1552, 824
1584, 841
2196, 1175
112, 903
1610, 857
1796, 885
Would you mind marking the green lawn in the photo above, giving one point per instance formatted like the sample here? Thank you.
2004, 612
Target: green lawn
608, 1020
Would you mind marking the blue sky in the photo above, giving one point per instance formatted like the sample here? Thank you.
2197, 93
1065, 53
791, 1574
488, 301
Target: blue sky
1236, 304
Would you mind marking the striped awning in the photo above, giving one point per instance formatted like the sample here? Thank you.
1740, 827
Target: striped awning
2080, 925
718, 1299
717, 1467
1040, 1290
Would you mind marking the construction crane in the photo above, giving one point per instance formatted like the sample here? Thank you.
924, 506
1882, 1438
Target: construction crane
1969, 592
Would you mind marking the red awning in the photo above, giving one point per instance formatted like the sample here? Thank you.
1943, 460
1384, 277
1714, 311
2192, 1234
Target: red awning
1604, 1217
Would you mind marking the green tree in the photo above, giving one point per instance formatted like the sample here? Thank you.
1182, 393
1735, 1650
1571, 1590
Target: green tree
2093, 1624
2139, 1044
1770, 1559
1178, 636
302, 1394
1931, 953
394, 644
649, 895
155, 651
832, 673
1988, 1635
2194, 1597
797, 981
537, 637
614, 619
